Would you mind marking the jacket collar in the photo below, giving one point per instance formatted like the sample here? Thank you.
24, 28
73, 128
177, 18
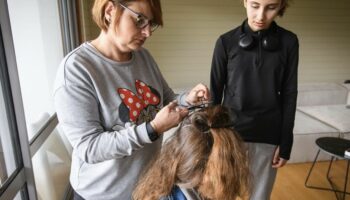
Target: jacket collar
248, 30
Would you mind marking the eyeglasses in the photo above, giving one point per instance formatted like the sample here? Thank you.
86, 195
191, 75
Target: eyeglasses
141, 20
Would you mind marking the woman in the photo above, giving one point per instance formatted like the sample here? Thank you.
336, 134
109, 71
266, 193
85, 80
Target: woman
204, 159
107, 97
254, 72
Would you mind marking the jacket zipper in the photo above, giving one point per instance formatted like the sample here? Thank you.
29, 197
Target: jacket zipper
259, 49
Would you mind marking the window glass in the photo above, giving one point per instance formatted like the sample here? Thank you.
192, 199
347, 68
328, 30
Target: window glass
39, 49
7, 155
19, 195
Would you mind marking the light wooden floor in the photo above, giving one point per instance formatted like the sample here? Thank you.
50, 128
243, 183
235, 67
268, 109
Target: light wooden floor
290, 181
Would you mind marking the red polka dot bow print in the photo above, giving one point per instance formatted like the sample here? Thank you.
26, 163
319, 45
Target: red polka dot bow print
136, 103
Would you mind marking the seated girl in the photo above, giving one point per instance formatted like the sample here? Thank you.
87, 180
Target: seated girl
204, 159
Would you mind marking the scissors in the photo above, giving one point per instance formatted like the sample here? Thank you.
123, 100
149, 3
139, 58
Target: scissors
202, 104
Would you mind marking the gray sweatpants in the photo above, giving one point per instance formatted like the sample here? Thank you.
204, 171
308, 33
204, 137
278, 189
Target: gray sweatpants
263, 175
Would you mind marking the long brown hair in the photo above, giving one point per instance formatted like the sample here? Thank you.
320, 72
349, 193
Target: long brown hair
205, 153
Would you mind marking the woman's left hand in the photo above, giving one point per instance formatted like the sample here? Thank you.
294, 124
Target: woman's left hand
199, 93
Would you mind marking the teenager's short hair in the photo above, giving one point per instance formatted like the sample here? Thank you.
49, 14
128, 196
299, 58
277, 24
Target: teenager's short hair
205, 153
284, 6
99, 6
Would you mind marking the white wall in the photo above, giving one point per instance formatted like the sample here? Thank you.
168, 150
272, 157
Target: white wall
183, 47
323, 28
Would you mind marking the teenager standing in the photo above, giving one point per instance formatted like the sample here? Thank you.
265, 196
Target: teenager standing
254, 72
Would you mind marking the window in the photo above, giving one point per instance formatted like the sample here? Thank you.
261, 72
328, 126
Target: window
34, 155
7, 154
38, 45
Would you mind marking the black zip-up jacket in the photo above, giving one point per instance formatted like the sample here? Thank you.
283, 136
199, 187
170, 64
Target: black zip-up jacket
259, 85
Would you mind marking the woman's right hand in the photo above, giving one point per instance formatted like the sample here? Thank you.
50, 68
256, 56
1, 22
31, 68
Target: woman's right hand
168, 117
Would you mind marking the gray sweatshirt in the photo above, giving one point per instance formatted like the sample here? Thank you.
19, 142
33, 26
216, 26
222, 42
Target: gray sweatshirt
102, 106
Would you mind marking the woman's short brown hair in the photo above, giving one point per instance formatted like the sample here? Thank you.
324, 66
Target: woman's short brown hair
99, 6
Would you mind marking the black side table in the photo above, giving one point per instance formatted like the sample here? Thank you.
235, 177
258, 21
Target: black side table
336, 148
